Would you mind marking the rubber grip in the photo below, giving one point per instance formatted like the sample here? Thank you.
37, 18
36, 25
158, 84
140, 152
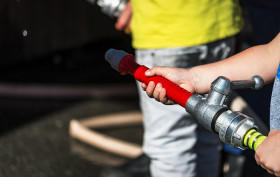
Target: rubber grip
173, 91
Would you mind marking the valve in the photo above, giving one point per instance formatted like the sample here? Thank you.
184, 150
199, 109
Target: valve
233, 128
112, 8
215, 116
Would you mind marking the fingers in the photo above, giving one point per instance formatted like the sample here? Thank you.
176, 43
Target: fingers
123, 22
150, 89
144, 86
259, 163
257, 159
267, 167
160, 93
157, 92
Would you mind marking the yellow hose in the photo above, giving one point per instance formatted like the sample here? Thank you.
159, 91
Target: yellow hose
253, 139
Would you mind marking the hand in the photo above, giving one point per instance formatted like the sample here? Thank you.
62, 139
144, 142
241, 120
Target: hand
268, 153
123, 22
177, 75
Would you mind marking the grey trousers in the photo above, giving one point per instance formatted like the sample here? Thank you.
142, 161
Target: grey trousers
176, 144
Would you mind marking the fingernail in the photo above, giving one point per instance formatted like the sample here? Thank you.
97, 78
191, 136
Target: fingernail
147, 73
151, 84
159, 85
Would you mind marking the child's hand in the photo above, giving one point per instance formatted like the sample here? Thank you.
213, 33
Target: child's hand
123, 22
268, 153
177, 75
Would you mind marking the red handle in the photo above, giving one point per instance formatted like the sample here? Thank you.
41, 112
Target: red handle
173, 91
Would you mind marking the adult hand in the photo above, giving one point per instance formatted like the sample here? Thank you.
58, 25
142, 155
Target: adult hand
268, 153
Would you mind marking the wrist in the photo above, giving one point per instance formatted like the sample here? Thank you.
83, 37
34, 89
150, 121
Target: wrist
199, 81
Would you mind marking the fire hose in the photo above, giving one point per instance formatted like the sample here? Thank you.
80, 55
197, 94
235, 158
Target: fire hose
233, 128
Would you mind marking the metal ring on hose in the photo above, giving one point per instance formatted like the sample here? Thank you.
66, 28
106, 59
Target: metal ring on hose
247, 142
253, 144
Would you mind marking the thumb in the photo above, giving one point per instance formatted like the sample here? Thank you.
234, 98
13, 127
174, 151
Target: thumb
157, 71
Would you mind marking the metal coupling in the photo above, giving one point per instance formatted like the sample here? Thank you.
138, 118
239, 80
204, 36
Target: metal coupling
232, 128
112, 8
214, 115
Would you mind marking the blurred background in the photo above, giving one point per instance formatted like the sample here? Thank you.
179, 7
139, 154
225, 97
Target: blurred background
52, 70
54, 43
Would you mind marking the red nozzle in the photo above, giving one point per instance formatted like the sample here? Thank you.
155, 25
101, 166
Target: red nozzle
125, 63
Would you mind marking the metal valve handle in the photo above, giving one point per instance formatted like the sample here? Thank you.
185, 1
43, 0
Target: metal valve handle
256, 83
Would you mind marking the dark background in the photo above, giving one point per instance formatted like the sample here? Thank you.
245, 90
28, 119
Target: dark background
53, 42
56, 41
52, 70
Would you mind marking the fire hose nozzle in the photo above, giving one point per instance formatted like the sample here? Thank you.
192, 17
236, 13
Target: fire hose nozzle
114, 57
125, 63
